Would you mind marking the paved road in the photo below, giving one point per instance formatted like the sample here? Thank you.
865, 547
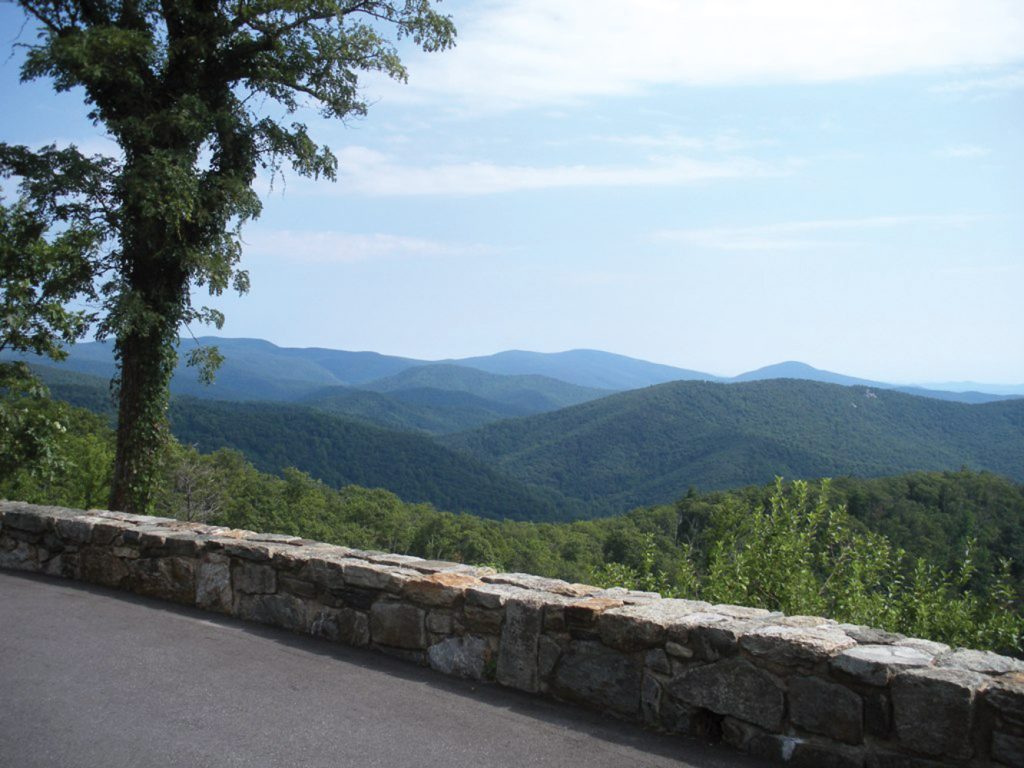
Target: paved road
91, 678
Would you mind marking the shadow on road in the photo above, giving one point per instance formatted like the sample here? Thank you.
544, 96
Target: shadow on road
154, 624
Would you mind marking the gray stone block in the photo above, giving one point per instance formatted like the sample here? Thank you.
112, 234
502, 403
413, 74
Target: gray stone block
517, 653
585, 612
254, 578
398, 625
985, 662
168, 578
297, 587
592, 674
325, 572
549, 651
246, 550
30, 521
1005, 696
438, 589
485, 621
380, 577
645, 625
76, 529
462, 656
733, 687
870, 635
650, 699
213, 583
797, 645
440, 622
98, 565
493, 596
341, 625
537, 584
826, 708
280, 610
876, 664
933, 710
714, 641
19, 555
928, 646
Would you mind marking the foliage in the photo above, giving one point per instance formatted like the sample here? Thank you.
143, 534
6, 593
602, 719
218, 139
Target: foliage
40, 274
341, 451
80, 458
644, 446
30, 423
802, 555
186, 90
789, 547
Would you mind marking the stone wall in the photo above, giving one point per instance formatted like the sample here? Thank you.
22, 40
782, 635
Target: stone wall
800, 689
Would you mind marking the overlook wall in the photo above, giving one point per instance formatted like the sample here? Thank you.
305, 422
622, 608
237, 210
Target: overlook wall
800, 689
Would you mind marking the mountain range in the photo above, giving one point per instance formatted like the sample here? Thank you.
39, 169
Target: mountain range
528, 446
648, 445
254, 369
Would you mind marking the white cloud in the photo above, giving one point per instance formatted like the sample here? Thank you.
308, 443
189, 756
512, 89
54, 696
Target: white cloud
517, 53
802, 235
369, 172
963, 151
326, 247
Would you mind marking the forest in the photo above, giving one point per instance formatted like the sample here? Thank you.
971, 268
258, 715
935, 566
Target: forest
931, 554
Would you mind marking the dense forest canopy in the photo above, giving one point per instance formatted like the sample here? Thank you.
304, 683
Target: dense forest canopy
924, 553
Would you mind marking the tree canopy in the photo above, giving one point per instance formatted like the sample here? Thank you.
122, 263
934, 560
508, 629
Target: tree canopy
190, 90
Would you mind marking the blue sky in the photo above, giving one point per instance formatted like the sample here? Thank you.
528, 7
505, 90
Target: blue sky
714, 184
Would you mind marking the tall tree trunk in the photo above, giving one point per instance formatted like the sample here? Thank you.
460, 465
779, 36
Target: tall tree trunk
146, 355
141, 422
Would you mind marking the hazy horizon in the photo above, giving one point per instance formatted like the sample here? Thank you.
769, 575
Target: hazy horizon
949, 385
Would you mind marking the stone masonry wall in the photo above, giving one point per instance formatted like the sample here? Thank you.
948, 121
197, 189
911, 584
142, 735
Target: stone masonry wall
800, 689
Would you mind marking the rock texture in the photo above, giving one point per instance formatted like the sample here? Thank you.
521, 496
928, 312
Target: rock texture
801, 689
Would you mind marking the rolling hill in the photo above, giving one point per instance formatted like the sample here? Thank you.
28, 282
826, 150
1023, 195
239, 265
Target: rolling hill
252, 369
606, 455
344, 451
646, 446
527, 394
432, 411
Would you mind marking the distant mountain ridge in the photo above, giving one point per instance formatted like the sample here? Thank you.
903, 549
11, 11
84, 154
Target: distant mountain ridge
254, 369
585, 367
792, 369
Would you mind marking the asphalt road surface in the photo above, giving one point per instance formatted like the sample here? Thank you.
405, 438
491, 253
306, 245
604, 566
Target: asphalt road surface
93, 678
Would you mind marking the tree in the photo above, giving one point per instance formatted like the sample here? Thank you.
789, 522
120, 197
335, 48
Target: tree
185, 88
40, 273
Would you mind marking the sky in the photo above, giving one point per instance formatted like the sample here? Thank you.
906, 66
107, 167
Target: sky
713, 184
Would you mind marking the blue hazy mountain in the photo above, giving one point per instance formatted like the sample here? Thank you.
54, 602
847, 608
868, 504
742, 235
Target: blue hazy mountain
585, 367
254, 369
792, 369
